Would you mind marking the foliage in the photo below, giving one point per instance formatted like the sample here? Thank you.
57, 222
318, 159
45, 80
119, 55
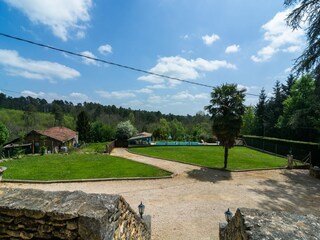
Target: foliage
307, 12
14, 120
177, 131
299, 112
125, 130
100, 132
83, 126
248, 120
107, 115
260, 114
307, 15
4, 134
43, 150
210, 156
298, 149
227, 110
80, 166
92, 148
58, 115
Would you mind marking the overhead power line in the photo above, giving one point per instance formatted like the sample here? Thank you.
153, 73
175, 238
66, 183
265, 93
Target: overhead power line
107, 62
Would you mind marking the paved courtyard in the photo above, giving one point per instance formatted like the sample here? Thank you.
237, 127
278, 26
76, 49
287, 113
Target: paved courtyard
191, 205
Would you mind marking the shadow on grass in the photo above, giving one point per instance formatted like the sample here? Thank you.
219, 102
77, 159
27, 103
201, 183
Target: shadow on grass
299, 193
209, 175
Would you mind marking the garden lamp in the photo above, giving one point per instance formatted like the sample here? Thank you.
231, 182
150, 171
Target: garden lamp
228, 215
141, 209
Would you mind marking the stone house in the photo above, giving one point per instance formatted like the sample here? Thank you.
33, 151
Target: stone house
55, 139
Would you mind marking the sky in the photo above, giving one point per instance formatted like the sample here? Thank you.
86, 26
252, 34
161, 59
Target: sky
212, 42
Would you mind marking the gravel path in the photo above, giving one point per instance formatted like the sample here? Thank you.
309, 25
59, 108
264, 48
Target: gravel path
191, 205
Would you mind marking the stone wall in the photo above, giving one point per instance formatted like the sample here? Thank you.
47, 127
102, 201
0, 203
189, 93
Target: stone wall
256, 224
315, 172
36, 214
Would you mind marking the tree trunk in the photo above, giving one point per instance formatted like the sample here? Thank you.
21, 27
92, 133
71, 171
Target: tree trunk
226, 149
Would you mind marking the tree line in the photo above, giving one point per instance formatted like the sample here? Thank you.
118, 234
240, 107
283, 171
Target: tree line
292, 112
103, 120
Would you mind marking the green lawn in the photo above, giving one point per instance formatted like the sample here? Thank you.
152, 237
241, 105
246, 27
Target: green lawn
77, 166
93, 148
213, 156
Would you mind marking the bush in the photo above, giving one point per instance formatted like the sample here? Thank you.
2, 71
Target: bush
43, 150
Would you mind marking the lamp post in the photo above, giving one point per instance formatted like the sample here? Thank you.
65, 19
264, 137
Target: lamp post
228, 215
141, 209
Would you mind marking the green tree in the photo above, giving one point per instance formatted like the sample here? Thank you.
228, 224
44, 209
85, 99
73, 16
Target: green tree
306, 12
248, 121
299, 112
100, 132
286, 88
83, 126
177, 130
274, 109
226, 109
260, 114
58, 115
4, 134
125, 130
164, 129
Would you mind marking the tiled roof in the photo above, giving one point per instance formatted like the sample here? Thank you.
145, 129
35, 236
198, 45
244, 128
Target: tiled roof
141, 135
61, 134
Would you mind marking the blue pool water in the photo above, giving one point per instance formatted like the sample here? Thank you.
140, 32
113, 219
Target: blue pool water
177, 144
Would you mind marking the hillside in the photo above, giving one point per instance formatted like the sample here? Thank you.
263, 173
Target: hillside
22, 114
19, 122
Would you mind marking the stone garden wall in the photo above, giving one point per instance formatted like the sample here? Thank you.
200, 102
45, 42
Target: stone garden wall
36, 214
256, 225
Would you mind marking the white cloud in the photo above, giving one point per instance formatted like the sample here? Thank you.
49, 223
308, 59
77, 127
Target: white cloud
208, 40
155, 99
288, 70
247, 88
89, 61
33, 94
116, 94
185, 95
105, 49
186, 36
232, 49
144, 90
80, 34
15, 65
293, 49
64, 18
79, 97
280, 37
49, 96
182, 68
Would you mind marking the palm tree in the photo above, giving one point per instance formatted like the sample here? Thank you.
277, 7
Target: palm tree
226, 111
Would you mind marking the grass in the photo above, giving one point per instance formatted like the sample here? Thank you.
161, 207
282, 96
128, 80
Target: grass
93, 148
77, 166
240, 158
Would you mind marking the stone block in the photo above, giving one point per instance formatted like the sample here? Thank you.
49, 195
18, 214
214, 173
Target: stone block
256, 224
28, 213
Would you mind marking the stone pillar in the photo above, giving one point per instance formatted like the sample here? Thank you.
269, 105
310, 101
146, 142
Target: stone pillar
222, 227
2, 169
290, 161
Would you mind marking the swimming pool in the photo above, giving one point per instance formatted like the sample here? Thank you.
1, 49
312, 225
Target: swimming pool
176, 144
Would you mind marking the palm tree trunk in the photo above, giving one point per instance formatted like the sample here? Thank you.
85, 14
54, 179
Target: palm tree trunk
226, 149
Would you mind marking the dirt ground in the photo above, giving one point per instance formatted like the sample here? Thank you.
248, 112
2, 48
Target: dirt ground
191, 204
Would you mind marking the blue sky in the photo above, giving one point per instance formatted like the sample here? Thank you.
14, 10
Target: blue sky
211, 42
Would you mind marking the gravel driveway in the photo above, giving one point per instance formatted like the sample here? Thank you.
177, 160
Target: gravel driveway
191, 205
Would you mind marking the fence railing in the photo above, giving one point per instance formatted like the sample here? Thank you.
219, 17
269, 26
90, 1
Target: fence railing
110, 147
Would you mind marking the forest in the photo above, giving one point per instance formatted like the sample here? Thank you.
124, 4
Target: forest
23, 114
292, 112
